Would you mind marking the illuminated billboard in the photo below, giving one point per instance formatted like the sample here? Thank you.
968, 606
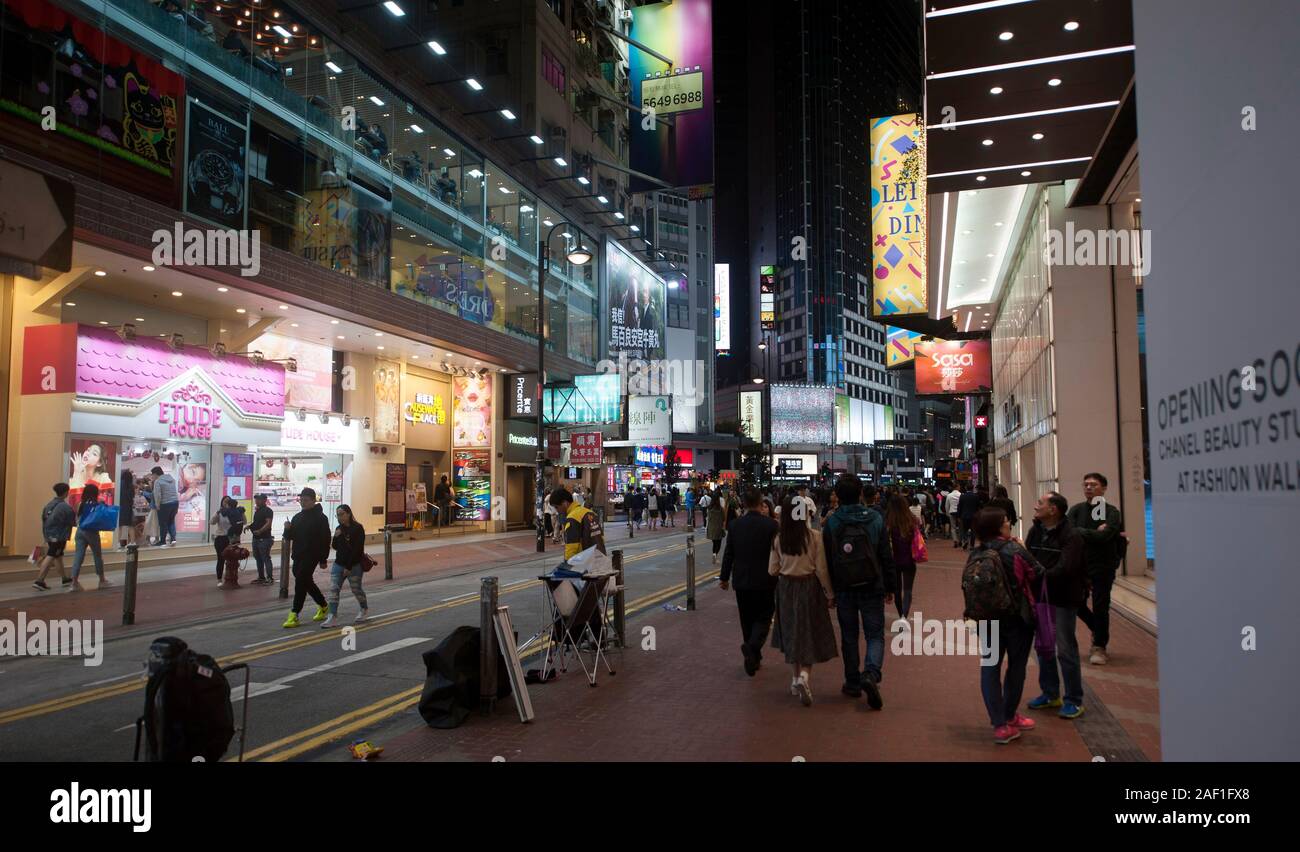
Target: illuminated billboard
954, 367
592, 399
898, 189
900, 345
802, 414
636, 312
767, 297
751, 415
722, 307
679, 150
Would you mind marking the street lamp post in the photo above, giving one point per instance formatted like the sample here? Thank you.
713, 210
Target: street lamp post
578, 256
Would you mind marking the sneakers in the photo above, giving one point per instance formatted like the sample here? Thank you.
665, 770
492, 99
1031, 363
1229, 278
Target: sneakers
104, 583
330, 621
1071, 711
751, 659
1023, 723
364, 615
292, 620
1043, 702
1098, 656
40, 586
321, 613
872, 689
75, 586
1005, 734
804, 690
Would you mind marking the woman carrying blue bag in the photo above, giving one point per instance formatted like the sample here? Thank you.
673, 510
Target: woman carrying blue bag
93, 518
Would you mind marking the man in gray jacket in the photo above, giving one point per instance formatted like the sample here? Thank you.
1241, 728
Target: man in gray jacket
57, 519
167, 499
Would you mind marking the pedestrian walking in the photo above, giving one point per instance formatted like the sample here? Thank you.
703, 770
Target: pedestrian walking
1015, 628
1059, 549
951, 503
88, 537
652, 500
904, 529
691, 497
1102, 532
802, 629
745, 565
968, 506
57, 520
864, 578
1002, 500
263, 537
349, 544
715, 521
309, 530
168, 501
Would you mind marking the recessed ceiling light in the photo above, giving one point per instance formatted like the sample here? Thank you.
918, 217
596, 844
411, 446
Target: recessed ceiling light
376, 101
474, 84
147, 268
177, 293
380, 348
293, 325
997, 224
103, 322
990, 254
139, 319
417, 128
379, 334
535, 139
1037, 136
984, 280
504, 189
340, 337
548, 223
1055, 81
1071, 26
996, 90
219, 289
475, 173
1006, 36
284, 307
602, 199
101, 273
583, 180
987, 142
962, 263
509, 116
240, 311
437, 48
560, 161
1025, 173
981, 178
331, 66
967, 232
334, 322
1138, 200
449, 355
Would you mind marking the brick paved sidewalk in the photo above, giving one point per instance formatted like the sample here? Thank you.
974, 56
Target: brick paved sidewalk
689, 699
196, 597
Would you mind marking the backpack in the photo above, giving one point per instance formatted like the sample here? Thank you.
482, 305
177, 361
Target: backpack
985, 587
855, 558
187, 710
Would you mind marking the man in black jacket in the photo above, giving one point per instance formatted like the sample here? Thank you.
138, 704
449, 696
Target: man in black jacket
968, 506
1056, 544
310, 532
749, 545
1100, 525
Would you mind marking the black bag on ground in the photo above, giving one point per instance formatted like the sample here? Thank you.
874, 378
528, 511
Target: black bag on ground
451, 683
187, 710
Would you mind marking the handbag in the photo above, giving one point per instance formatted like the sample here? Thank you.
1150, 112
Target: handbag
38, 553
1045, 622
102, 518
366, 562
919, 552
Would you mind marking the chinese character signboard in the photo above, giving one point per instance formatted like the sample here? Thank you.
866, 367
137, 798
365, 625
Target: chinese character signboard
585, 448
636, 312
521, 390
649, 420
954, 367
751, 415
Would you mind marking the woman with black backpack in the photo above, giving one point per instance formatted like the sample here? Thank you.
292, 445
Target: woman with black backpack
349, 552
1007, 604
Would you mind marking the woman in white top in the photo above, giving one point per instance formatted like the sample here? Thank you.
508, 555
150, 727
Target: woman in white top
653, 506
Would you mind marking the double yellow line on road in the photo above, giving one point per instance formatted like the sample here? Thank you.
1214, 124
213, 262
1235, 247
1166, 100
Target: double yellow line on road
76, 699
302, 742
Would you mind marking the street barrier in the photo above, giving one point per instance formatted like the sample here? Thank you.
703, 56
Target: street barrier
128, 587
286, 545
487, 644
690, 571
388, 553
620, 602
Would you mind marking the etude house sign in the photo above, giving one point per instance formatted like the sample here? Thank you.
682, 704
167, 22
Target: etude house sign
189, 413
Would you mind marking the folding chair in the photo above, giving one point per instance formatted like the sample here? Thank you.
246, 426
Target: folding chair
577, 623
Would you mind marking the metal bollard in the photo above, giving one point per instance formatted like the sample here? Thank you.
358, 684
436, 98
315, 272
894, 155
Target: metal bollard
631, 532
620, 601
388, 553
286, 547
487, 666
690, 571
128, 587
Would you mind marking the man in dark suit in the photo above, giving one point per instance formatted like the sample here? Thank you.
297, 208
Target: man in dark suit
749, 545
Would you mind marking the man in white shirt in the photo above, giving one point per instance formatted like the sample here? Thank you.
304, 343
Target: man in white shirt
950, 506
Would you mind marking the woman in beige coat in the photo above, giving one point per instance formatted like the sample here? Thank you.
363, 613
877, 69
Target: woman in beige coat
803, 598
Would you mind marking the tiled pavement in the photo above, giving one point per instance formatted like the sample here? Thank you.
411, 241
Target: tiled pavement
196, 596
689, 699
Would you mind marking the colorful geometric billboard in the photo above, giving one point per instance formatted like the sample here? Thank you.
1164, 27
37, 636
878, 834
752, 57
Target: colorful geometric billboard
954, 367
898, 215
679, 151
900, 345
